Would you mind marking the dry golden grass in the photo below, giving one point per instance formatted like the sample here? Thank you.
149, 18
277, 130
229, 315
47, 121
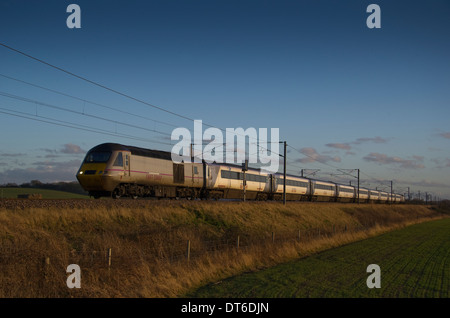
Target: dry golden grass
148, 242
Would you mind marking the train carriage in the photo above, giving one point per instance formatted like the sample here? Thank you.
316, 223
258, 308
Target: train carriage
297, 188
374, 196
345, 193
322, 191
397, 198
363, 195
384, 197
228, 182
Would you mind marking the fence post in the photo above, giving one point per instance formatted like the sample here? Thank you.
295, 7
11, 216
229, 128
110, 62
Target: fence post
273, 237
188, 251
46, 268
237, 244
299, 235
109, 258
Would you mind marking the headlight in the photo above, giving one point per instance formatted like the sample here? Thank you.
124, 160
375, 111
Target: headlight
81, 172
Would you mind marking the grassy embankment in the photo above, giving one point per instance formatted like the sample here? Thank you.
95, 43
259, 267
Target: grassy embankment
148, 242
9, 193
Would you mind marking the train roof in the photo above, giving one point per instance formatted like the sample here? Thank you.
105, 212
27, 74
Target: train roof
281, 175
346, 185
233, 165
134, 150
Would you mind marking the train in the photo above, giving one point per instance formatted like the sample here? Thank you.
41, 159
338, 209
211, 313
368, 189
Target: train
116, 170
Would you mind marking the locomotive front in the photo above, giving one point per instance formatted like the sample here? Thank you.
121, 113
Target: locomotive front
93, 174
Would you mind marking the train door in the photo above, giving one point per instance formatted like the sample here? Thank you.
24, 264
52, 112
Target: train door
118, 163
195, 175
273, 184
205, 174
127, 164
312, 190
178, 173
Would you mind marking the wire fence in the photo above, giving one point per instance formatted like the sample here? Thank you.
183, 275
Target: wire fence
166, 250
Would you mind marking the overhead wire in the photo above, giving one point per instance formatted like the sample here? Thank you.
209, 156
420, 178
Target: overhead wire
95, 83
118, 93
86, 101
104, 86
61, 123
36, 102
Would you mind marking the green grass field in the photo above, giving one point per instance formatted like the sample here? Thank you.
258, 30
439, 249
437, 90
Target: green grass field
414, 263
12, 193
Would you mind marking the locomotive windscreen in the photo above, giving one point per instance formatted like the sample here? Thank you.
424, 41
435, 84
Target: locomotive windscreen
97, 157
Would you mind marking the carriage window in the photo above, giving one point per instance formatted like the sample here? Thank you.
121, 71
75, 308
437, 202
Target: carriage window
119, 160
225, 174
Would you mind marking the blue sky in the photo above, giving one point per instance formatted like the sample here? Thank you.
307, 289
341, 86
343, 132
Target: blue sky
342, 95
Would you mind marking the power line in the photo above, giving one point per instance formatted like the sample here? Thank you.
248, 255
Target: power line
118, 93
53, 121
85, 100
332, 166
36, 102
105, 87
77, 112
95, 83
87, 128
61, 123
97, 104
315, 159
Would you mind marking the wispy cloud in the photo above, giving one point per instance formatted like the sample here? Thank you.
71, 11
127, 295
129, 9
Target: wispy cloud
344, 146
312, 155
72, 149
56, 165
377, 140
68, 148
48, 150
45, 171
51, 156
384, 159
12, 155
424, 183
348, 145
441, 163
445, 135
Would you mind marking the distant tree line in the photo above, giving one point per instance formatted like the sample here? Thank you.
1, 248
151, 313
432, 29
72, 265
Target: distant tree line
72, 187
